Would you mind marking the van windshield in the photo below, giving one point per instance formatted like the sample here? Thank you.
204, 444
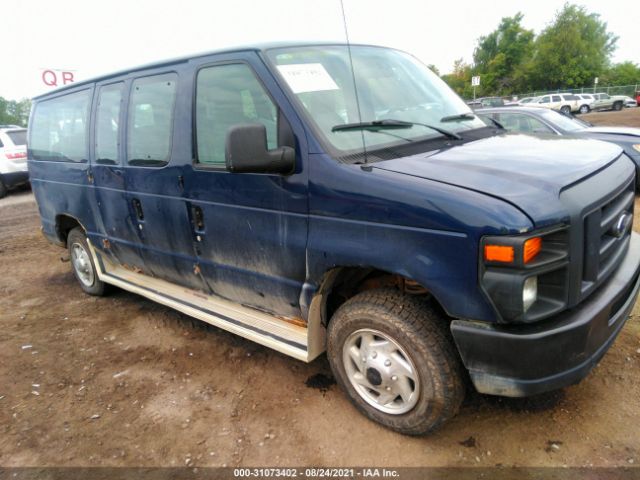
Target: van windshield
391, 85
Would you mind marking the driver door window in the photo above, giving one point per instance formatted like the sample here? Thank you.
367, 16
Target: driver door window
229, 95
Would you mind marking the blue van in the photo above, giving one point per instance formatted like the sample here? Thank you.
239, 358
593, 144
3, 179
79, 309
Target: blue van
342, 198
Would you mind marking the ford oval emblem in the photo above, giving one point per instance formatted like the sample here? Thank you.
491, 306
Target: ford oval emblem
621, 225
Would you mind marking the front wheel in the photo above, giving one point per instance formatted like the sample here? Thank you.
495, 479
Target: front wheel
392, 356
617, 106
3, 189
83, 267
566, 109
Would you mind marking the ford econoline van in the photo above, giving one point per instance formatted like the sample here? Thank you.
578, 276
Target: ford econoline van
342, 198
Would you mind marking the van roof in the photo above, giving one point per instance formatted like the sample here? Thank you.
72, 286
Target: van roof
184, 59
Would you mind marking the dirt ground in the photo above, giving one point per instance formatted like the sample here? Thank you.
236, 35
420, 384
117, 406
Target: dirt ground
122, 381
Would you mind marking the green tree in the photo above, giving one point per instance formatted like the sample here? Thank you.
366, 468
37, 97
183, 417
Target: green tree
14, 112
625, 73
500, 55
572, 50
434, 69
460, 79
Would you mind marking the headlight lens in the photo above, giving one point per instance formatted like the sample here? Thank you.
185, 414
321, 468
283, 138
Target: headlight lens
529, 292
636, 147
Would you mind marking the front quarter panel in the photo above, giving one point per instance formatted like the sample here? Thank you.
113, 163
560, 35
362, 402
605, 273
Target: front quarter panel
421, 229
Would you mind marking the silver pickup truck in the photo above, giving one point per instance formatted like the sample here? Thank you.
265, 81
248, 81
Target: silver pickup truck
603, 101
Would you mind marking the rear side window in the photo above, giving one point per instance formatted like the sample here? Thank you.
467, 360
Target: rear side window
18, 137
150, 122
570, 97
107, 123
229, 95
59, 128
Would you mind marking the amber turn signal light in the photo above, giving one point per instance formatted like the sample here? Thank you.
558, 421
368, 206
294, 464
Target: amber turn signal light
532, 248
498, 253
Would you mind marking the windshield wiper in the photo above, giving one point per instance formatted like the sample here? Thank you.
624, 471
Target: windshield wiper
391, 124
459, 116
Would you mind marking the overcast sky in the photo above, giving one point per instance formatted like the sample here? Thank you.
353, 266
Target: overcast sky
91, 37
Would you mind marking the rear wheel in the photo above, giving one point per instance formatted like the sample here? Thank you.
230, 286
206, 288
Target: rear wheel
391, 354
83, 267
584, 109
3, 189
617, 106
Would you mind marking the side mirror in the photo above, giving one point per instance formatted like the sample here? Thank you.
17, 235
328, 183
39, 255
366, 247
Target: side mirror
246, 151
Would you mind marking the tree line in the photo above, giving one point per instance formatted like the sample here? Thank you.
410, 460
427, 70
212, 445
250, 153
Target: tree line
570, 52
14, 112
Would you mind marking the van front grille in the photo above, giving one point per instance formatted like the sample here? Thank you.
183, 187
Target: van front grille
606, 234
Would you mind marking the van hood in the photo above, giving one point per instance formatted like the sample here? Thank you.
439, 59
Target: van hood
528, 172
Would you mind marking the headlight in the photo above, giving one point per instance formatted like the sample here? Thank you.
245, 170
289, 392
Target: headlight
529, 292
525, 276
636, 147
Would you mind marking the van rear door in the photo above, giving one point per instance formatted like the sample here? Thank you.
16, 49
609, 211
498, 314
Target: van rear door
158, 146
120, 239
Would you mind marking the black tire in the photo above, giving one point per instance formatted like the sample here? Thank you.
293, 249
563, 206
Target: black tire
617, 106
584, 109
77, 239
423, 335
3, 189
565, 109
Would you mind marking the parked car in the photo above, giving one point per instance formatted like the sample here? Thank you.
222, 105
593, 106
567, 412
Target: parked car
13, 158
584, 102
256, 190
541, 121
525, 100
603, 101
486, 102
563, 102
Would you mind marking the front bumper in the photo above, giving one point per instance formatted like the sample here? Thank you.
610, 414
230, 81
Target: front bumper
522, 360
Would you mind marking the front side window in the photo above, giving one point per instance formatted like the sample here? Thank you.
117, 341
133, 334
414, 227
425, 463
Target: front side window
545, 100
515, 122
228, 95
59, 128
150, 122
556, 98
391, 85
107, 122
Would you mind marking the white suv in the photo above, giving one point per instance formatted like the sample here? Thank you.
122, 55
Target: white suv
13, 157
563, 102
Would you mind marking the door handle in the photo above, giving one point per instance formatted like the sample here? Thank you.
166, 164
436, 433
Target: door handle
198, 218
137, 206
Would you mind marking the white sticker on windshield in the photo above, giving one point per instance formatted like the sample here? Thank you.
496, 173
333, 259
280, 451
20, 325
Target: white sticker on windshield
307, 77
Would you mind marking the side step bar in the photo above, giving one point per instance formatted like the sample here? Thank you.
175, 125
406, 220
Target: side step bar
302, 343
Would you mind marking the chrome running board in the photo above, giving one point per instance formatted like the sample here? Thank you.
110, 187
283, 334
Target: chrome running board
303, 343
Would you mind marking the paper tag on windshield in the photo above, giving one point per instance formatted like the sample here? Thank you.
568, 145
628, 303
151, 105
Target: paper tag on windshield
307, 77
